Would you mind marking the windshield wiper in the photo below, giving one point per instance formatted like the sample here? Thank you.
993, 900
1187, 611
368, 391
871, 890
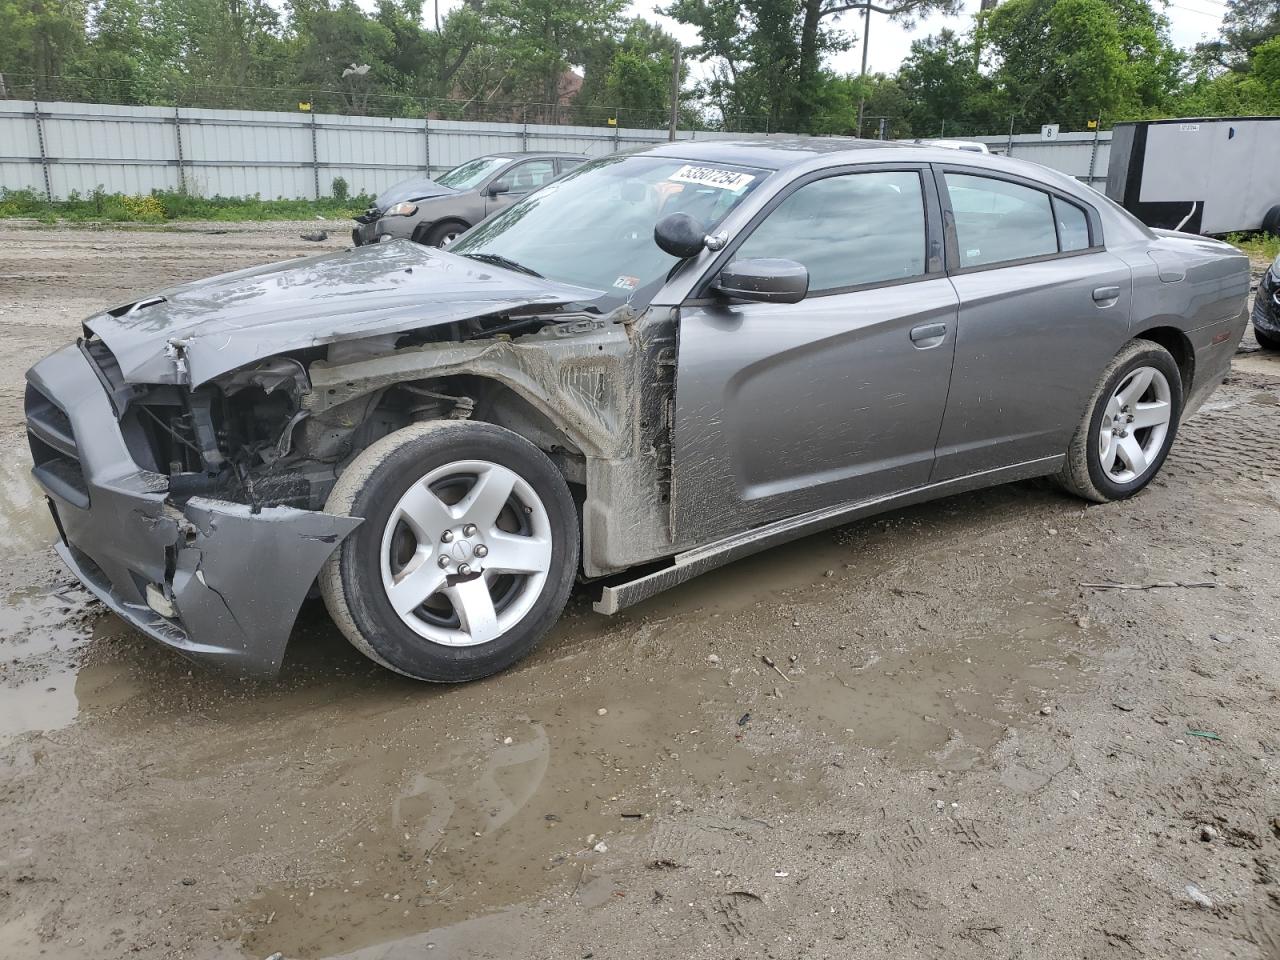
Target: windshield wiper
498, 260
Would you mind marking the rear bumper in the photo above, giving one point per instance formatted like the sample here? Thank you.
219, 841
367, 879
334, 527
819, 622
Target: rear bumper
1214, 346
209, 578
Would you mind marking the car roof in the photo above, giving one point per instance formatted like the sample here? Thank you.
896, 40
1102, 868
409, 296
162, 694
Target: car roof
779, 153
800, 154
526, 154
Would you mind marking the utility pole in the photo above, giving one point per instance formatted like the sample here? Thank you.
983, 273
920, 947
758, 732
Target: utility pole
862, 85
675, 94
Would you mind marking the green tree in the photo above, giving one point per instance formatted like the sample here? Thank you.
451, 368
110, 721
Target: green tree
42, 40
542, 39
944, 89
754, 52
330, 39
1246, 26
819, 34
629, 74
1071, 60
1233, 93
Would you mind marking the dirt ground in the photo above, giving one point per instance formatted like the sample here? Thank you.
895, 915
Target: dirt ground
964, 751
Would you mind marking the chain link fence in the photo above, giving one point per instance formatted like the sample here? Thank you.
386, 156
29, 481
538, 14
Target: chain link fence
355, 100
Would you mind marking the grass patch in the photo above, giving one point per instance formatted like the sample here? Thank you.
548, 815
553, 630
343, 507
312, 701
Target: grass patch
163, 207
1259, 246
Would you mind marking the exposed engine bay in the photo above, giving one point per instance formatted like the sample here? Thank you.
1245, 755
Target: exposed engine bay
279, 432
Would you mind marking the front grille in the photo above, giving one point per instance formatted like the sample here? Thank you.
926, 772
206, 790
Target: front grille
54, 453
369, 216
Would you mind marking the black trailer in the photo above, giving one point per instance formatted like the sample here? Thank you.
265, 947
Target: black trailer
1212, 176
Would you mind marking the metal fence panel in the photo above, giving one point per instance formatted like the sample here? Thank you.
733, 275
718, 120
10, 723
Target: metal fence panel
1080, 155
77, 147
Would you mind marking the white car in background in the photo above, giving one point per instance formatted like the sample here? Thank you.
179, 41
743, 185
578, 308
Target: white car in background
972, 146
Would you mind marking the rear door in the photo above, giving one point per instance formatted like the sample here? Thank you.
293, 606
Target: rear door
786, 408
1043, 307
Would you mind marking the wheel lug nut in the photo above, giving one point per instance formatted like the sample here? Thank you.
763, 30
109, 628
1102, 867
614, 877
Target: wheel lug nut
469, 530
481, 550
442, 560
464, 569
446, 537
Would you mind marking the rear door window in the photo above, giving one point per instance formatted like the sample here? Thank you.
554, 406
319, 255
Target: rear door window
997, 220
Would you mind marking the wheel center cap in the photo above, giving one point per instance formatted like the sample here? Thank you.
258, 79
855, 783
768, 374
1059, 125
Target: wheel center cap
461, 550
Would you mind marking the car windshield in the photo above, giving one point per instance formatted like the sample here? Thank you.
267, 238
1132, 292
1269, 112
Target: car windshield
594, 226
466, 175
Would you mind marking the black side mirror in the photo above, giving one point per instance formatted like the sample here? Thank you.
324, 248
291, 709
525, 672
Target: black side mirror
499, 186
680, 235
764, 281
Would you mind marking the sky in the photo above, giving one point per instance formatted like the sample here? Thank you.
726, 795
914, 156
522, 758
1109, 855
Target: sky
1190, 21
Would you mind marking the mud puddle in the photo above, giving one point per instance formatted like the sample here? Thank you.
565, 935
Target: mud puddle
492, 797
25, 522
44, 683
498, 793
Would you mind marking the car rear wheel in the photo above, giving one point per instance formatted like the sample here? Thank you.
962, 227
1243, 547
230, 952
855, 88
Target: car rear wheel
467, 552
1128, 426
442, 234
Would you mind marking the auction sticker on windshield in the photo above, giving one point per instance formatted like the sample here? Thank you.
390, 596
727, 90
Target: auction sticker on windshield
712, 177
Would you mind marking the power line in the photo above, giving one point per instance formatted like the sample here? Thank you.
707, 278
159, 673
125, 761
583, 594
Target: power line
1203, 13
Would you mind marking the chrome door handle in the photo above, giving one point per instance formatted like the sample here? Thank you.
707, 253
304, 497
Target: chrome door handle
1103, 294
928, 334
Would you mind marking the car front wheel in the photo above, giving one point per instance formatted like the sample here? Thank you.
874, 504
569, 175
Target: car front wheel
1128, 426
467, 552
1267, 341
442, 234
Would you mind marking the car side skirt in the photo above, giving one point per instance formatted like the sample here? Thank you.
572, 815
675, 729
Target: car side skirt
691, 563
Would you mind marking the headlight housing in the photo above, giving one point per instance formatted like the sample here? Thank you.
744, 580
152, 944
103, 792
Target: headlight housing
404, 209
1275, 269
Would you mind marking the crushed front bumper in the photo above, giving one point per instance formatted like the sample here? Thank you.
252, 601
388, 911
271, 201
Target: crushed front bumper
1266, 305
209, 578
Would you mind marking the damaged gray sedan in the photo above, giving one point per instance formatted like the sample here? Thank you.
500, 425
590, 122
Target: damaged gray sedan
657, 364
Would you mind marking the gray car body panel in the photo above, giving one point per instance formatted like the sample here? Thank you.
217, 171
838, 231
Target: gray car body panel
195, 332
439, 203
700, 430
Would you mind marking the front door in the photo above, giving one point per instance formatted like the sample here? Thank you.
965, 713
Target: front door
786, 408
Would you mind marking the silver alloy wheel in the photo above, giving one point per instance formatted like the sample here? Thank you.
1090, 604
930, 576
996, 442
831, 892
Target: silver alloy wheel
466, 553
449, 237
1135, 424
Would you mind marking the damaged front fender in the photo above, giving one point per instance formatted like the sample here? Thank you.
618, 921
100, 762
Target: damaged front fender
242, 576
234, 581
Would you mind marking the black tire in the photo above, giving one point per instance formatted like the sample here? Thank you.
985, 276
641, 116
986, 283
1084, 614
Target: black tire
1267, 341
1271, 221
441, 234
1083, 473
371, 487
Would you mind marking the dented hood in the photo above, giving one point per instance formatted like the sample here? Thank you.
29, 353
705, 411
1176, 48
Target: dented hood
197, 331
415, 188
